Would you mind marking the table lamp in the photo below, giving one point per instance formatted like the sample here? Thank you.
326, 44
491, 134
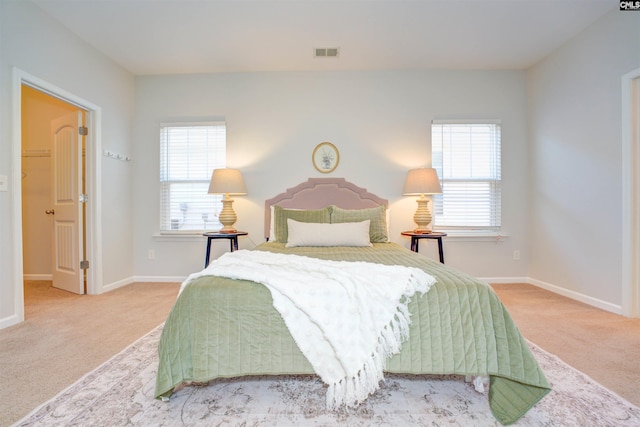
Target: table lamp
422, 181
228, 182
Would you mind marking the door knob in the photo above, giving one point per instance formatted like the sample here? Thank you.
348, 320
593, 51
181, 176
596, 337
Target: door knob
50, 212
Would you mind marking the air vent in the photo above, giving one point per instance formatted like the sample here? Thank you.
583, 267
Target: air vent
326, 52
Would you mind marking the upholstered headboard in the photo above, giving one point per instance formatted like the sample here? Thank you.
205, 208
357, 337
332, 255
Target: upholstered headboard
317, 193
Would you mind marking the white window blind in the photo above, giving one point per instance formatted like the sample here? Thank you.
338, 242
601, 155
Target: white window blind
466, 155
189, 152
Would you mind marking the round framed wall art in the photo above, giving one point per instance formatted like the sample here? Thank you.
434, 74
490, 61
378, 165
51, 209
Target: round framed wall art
325, 157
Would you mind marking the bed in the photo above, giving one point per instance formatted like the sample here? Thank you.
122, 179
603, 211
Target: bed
224, 328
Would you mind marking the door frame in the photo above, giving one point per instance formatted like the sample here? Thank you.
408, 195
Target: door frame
93, 173
631, 193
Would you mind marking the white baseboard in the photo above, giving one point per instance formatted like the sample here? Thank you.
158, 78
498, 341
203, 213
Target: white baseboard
594, 302
146, 279
116, 285
9, 321
506, 280
37, 276
160, 279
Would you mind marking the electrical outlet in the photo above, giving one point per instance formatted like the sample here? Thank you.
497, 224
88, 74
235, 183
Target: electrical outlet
516, 255
152, 254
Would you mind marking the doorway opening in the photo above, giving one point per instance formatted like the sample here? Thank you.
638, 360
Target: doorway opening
92, 237
49, 163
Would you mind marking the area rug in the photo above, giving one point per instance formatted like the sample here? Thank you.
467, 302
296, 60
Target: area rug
120, 393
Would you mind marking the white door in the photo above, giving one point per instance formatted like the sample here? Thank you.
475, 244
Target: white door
66, 184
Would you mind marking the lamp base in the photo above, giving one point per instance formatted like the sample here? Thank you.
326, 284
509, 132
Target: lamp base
227, 216
422, 217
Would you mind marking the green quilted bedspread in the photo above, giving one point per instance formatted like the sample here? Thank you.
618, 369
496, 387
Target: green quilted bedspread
222, 328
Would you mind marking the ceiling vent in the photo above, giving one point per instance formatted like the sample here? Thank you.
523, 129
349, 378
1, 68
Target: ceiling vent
326, 52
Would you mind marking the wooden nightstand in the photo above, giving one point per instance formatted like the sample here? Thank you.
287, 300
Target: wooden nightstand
415, 240
233, 241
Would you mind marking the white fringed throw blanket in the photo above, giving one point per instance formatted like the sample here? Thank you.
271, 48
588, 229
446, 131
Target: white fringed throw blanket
346, 317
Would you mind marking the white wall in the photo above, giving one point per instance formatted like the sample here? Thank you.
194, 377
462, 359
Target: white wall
575, 158
380, 122
39, 46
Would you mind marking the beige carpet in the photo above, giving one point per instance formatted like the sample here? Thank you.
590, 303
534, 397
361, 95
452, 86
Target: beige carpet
603, 345
65, 336
120, 393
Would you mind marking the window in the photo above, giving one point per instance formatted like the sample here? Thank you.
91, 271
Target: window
466, 155
189, 152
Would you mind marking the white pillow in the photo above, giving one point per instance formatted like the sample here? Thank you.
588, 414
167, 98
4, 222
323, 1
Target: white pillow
321, 234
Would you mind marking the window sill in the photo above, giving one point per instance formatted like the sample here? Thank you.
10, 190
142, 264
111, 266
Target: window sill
183, 236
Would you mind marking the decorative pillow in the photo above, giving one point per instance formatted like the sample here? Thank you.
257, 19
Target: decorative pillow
272, 228
317, 234
378, 217
307, 215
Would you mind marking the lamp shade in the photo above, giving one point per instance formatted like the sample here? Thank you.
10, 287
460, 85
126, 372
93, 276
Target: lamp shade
227, 181
422, 181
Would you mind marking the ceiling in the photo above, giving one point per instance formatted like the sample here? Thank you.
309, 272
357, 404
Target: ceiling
201, 36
